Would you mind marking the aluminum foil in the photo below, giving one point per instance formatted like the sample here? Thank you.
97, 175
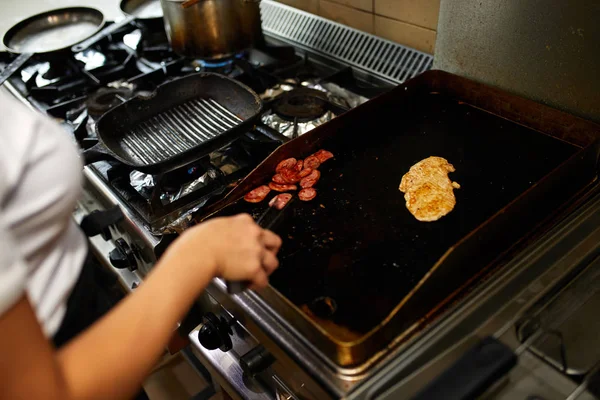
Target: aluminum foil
286, 127
335, 94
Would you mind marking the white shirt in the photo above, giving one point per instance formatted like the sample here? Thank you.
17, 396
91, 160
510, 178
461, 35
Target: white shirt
42, 250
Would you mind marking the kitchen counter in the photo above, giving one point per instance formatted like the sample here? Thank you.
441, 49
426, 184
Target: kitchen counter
15, 11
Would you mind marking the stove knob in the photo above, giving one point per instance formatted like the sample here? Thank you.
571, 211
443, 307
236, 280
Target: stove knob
122, 256
98, 222
256, 361
215, 333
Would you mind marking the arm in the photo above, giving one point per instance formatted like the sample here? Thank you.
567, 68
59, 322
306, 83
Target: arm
111, 359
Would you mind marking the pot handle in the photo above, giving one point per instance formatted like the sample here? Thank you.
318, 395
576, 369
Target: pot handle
96, 153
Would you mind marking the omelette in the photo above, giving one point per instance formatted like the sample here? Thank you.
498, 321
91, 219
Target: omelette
428, 191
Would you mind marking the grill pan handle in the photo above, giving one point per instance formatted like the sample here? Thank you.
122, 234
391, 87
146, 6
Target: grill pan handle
96, 153
473, 373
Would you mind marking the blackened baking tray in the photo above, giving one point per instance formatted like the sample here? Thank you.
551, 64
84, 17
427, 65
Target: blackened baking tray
356, 244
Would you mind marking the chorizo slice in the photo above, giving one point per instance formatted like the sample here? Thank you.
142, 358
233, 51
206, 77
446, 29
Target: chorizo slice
304, 172
280, 200
323, 155
307, 194
299, 165
310, 180
279, 179
290, 163
257, 195
290, 176
312, 162
282, 188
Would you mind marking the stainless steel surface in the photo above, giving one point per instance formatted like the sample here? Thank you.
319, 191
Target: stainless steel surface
14, 66
377, 56
177, 130
53, 30
212, 29
543, 50
570, 323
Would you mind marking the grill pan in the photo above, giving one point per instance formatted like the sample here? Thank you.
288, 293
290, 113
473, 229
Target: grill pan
356, 244
182, 121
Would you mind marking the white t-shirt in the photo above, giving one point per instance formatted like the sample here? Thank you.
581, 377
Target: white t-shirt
42, 250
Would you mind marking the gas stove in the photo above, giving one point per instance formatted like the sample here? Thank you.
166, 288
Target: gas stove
305, 77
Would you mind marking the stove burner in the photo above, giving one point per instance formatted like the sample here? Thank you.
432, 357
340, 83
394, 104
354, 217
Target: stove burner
106, 98
301, 105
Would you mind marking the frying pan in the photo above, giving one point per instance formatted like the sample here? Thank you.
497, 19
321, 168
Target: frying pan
182, 121
146, 11
49, 32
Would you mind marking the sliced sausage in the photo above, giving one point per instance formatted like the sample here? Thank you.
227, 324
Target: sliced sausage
304, 172
280, 200
307, 194
257, 195
312, 162
310, 180
323, 155
290, 163
282, 188
290, 176
299, 165
279, 179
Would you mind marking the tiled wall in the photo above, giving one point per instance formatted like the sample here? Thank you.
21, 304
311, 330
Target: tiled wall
410, 22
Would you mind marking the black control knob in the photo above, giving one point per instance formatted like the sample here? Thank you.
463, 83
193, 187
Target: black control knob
122, 256
256, 361
215, 333
98, 222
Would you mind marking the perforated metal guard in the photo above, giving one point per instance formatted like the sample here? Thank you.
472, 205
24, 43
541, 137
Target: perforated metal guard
389, 60
179, 129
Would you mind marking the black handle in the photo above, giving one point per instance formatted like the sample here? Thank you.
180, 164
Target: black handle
96, 153
256, 361
97, 222
473, 373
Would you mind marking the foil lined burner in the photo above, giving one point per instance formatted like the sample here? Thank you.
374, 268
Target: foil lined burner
301, 105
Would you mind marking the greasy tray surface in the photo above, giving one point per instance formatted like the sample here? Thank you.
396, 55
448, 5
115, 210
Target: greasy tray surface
358, 244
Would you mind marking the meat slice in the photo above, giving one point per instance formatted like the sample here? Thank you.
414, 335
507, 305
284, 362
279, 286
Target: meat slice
428, 191
257, 195
323, 155
310, 180
290, 163
299, 165
279, 179
312, 162
282, 188
307, 194
290, 176
280, 200
304, 172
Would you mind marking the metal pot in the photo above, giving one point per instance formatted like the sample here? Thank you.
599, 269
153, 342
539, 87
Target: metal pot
212, 29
